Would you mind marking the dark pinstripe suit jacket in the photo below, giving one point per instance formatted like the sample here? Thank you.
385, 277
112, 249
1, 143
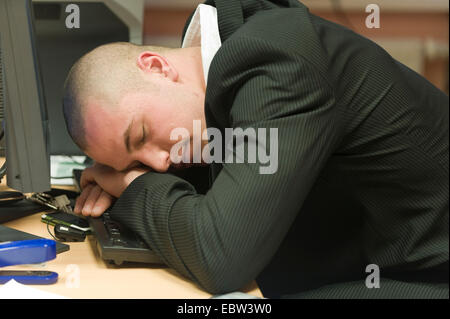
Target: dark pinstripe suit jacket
362, 167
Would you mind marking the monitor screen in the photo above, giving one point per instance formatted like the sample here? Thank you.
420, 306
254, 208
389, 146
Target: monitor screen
25, 127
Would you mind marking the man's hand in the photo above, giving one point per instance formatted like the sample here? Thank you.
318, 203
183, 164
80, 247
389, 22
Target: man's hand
93, 201
100, 185
111, 181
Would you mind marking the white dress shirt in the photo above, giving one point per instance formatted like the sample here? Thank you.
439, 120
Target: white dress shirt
203, 31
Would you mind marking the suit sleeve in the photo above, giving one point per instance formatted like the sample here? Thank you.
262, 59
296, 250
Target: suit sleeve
222, 240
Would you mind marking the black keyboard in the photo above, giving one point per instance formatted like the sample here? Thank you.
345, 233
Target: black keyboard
117, 244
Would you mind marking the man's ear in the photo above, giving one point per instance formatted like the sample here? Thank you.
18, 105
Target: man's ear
151, 62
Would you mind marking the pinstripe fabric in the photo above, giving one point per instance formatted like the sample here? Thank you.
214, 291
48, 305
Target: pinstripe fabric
390, 289
362, 175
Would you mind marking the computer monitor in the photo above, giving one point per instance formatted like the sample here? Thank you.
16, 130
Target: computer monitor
25, 126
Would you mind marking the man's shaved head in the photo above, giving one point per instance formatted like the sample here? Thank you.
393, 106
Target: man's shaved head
102, 75
123, 101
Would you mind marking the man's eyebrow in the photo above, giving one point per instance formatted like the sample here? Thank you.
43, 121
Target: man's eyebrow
126, 136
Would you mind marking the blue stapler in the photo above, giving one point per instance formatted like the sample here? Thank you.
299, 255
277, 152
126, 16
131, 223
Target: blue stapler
32, 251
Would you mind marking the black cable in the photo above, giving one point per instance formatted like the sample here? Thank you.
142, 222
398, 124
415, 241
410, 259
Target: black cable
3, 168
8, 197
48, 229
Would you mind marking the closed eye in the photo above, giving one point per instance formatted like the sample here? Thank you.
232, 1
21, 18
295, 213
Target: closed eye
144, 135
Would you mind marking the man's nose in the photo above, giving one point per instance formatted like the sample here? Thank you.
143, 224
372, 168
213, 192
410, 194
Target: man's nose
159, 160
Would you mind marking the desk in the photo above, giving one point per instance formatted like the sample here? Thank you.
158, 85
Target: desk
98, 279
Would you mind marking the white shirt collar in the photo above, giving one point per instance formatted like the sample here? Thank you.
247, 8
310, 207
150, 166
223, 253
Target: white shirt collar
203, 31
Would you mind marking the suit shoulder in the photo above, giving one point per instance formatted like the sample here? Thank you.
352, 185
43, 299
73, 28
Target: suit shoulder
286, 29
280, 25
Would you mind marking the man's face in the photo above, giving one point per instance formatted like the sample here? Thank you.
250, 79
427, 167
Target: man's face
137, 130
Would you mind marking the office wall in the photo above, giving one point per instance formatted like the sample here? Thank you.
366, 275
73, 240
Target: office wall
413, 31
